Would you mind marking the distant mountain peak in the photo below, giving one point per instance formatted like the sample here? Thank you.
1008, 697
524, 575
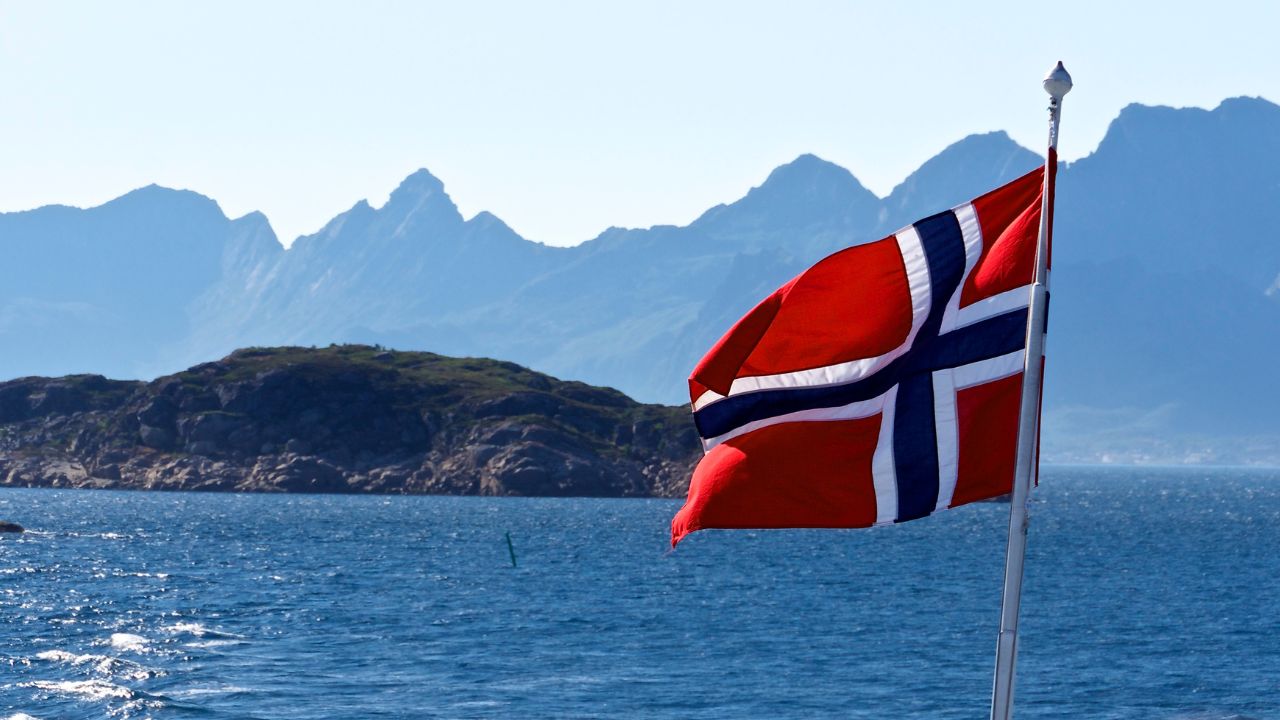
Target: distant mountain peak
1134, 112
1239, 124
419, 183
963, 170
809, 160
996, 143
160, 191
1247, 102
485, 223
796, 195
253, 239
994, 139
809, 172
256, 223
1230, 107
484, 218
421, 195
253, 217
1138, 118
150, 198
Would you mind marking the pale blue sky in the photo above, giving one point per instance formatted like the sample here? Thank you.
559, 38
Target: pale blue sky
566, 117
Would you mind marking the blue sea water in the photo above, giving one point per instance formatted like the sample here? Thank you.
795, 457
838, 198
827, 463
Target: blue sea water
1150, 593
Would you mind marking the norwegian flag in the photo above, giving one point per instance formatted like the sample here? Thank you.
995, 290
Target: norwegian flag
878, 386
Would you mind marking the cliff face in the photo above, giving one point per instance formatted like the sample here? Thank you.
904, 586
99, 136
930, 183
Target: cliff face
347, 418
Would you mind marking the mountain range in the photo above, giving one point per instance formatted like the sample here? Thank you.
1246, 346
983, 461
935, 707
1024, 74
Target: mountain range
1166, 281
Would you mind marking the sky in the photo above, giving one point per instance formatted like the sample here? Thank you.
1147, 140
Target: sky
565, 118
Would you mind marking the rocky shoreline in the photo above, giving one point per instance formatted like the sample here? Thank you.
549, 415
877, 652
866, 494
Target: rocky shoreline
343, 419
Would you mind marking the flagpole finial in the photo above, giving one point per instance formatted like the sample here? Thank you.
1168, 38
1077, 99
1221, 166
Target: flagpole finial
1058, 82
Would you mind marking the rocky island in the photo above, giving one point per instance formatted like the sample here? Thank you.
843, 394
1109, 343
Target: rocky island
342, 419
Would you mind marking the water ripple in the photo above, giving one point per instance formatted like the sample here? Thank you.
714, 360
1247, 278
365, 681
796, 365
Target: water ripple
1150, 594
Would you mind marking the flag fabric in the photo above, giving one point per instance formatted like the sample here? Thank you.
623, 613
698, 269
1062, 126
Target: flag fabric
878, 386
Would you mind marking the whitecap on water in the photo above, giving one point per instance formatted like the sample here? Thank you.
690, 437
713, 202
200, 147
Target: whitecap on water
101, 664
63, 656
196, 692
21, 716
88, 689
129, 641
186, 627
158, 576
198, 630
205, 644
100, 691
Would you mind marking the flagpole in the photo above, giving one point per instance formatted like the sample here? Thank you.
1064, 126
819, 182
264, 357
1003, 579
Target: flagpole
1057, 84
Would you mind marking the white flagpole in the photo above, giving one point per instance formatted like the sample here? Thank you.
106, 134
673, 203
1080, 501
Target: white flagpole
1057, 84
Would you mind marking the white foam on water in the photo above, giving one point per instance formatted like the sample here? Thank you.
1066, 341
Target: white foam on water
21, 716
64, 656
88, 689
129, 641
213, 643
187, 627
195, 692
128, 709
102, 664
200, 631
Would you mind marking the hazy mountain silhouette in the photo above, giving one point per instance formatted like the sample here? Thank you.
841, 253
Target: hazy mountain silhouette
106, 289
1166, 285
1165, 254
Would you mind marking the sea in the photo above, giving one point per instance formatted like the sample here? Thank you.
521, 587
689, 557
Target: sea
1150, 593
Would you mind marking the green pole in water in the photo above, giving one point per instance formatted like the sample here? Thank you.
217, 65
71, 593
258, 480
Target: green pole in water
511, 548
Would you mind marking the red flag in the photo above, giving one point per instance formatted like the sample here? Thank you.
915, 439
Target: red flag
878, 386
